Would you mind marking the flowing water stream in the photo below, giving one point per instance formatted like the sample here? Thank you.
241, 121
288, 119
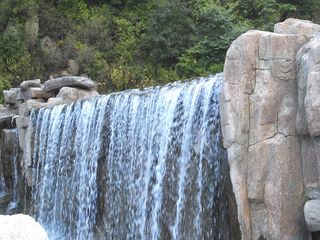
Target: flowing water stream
140, 164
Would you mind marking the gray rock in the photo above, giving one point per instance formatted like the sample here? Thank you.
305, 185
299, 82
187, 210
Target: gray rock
35, 92
10, 96
258, 111
312, 215
297, 26
308, 64
25, 108
30, 83
310, 162
55, 84
23, 122
312, 103
69, 94
312, 191
55, 101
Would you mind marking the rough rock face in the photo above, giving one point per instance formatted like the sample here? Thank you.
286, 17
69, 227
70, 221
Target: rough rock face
10, 96
56, 84
312, 215
68, 94
259, 108
18, 104
297, 26
30, 83
21, 227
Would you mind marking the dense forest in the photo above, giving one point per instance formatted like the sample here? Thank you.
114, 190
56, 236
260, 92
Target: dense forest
130, 44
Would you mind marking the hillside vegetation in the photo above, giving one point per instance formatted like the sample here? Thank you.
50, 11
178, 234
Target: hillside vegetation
129, 44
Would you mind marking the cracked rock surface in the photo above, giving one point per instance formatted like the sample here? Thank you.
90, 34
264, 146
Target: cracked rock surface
269, 99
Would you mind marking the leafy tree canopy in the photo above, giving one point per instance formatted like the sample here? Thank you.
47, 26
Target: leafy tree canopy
130, 43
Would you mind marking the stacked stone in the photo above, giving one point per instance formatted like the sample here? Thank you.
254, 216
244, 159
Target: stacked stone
15, 114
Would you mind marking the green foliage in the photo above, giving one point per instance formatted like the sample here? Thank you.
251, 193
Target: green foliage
12, 46
216, 30
15, 59
130, 44
169, 34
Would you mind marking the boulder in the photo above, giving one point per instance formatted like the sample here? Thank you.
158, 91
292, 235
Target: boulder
10, 96
30, 83
69, 94
258, 111
35, 92
312, 191
55, 101
297, 26
312, 215
312, 103
25, 108
55, 84
308, 68
21, 227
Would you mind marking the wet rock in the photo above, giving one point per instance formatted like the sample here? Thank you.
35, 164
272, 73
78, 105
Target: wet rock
312, 215
56, 84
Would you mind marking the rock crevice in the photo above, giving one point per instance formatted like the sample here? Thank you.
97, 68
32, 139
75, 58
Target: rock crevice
270, 99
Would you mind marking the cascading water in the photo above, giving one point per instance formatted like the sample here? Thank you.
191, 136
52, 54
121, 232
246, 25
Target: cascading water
133, 165
9, 173
15, 198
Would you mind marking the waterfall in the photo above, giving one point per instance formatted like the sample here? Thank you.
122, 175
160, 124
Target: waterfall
15, 198
9, 173
140, 164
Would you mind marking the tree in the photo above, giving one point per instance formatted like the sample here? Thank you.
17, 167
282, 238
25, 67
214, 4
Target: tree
169, 33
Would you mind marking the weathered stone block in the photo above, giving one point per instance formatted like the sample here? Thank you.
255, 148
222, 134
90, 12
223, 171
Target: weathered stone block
25, 108
35, 92
258, 112
310, 161
307, 62
312, 191
312, 215
297, 26
56, 84
30, 83
312, 103
10, 96
69, 94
